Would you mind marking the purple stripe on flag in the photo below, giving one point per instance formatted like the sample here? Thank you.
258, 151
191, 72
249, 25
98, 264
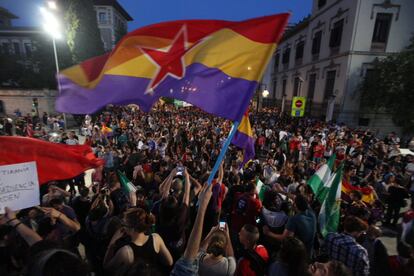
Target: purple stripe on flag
208, 88
245, 142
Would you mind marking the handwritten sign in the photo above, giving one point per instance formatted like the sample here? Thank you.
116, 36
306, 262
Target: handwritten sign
19, 186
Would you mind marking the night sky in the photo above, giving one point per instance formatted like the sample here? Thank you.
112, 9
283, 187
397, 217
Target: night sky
153, 11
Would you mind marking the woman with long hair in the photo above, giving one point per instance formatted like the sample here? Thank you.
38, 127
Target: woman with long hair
136, 244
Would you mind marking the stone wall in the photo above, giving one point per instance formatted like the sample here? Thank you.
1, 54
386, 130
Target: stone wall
23, 99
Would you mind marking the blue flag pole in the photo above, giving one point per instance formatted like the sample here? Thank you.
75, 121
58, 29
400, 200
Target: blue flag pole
223, 151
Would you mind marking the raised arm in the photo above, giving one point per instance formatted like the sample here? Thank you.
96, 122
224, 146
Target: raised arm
221, 173
64, 192
206, 241
73, 225
193, 245
28, 234
164, 187
186, 197
197, 186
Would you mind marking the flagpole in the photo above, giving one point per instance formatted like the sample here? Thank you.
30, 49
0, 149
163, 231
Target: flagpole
223, 151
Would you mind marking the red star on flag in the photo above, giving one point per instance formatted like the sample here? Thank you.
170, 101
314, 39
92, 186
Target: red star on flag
169, 62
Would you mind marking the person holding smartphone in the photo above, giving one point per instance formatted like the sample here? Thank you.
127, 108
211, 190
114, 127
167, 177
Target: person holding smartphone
216, 256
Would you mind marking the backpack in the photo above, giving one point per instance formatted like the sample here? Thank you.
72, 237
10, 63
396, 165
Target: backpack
257, 264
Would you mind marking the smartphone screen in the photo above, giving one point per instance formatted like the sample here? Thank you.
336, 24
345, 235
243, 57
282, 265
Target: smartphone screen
222, 225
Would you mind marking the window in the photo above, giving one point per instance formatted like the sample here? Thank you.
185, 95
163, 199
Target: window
369, 73
321, 3
16, 48
299, 50
276, 64
286, 54
311, 88
336, 34
382, 28
316, 43
274, 89
330, 84
28, 49
296, 87
284, 88
102, 17
5, 48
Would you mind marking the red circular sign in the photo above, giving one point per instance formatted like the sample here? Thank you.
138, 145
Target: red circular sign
298, 103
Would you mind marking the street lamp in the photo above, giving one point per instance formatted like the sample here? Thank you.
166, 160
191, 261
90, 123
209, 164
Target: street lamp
264, 94
52, 27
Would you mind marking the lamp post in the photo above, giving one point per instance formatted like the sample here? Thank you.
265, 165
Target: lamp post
52, 27
264, 93
283, 103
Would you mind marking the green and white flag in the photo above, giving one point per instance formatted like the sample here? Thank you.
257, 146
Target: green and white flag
319, 180
330, 210
260, 189
126, 184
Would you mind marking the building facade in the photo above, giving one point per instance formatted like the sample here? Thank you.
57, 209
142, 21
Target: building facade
20, 42
326, 56
112, 21
14, 40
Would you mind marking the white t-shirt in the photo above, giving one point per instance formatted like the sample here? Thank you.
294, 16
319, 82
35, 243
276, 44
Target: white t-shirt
72, 142
282, 134
268, 133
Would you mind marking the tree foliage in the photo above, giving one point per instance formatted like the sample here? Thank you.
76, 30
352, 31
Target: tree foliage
82, 33
390, 87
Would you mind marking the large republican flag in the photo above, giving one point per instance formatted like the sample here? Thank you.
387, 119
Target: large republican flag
215, 65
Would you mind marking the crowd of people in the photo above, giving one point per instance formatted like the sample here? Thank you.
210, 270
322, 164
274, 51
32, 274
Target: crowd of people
173, 223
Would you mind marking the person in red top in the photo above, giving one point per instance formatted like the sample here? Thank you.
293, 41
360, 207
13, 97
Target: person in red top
246, 208
255, 257
294, 146
318, 152
340, 156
